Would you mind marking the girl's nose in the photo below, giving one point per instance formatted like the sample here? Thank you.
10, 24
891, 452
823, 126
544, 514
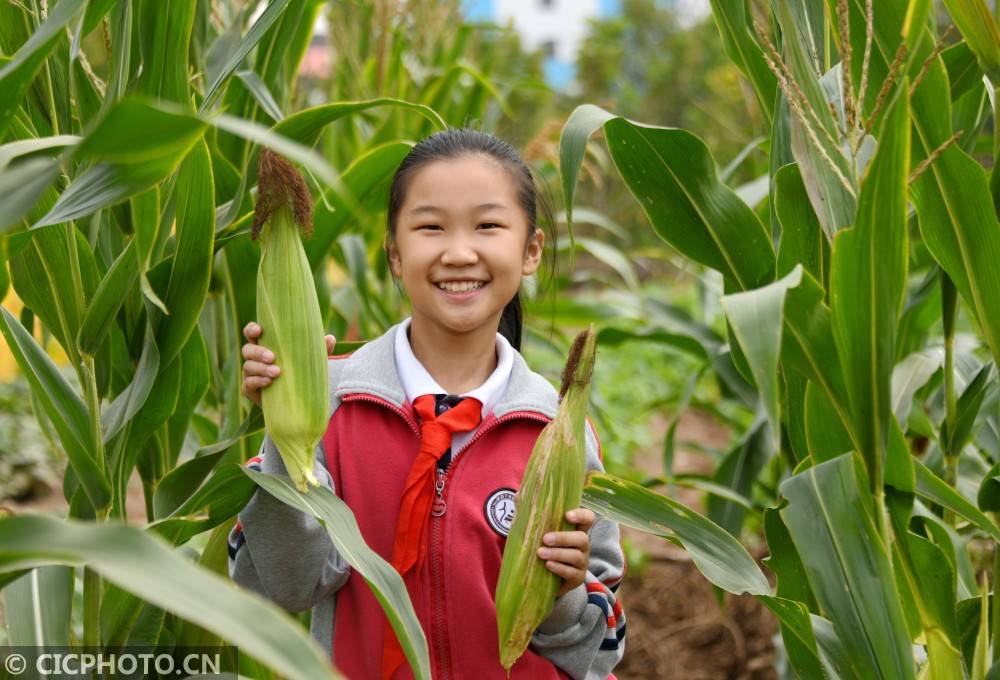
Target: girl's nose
458, 252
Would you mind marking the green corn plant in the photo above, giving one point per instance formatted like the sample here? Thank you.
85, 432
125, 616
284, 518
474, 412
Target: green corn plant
130, 135
844, 307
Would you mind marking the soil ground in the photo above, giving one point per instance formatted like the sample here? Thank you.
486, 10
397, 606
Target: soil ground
676, 627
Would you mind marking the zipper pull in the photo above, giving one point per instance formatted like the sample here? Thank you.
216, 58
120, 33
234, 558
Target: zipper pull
439, 507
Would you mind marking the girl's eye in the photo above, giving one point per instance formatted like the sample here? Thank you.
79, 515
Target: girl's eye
489, 225
432, 227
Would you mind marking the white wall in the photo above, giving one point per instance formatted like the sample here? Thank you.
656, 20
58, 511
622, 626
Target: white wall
564, 22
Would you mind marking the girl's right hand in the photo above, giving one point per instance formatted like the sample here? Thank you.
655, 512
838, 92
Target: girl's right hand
258, 365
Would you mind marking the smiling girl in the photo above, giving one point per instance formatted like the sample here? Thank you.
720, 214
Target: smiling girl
432, 425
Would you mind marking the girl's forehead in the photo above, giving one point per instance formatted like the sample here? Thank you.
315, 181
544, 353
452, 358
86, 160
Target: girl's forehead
467, 179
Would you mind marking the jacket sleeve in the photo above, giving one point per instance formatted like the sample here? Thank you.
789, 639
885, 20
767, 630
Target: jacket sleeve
279, 551
585, 633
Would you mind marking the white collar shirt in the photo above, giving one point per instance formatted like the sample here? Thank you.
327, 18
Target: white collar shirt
417, 381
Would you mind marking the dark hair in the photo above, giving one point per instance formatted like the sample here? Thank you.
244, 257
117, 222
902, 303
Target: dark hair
455, 143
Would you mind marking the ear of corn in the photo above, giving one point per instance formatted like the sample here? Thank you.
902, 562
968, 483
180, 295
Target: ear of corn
551, 486
296, 403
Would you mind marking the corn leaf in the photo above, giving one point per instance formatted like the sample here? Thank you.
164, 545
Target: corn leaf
835, 656
718, 555
928, 579
128, 402
738, 471
24, 147
672, 175
131, 444
37, 607
107, 300
260, 27
802, 240
62, 406
981, 658
826, 437
785, 562
910, 375
734, 22
867, 284
103, 185
809, 347
16, 75
214, 557
196, 376
827, 175
164, 40
191, 266
218, 499
830, 518
936, 490
259, 90
22, 185
40, 274
957, 218
136, 146
342, 201
963, 70
756, 317
138, 562
715, 552
305, 126
979, 28
385, 582
145, 215
178, 485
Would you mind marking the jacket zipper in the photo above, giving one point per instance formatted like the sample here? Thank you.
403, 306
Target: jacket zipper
438, 617
439, 509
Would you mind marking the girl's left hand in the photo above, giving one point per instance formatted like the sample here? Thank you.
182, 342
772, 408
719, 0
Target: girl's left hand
567, 553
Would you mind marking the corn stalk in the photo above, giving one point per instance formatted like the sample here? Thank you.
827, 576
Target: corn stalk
131, 132
876, 417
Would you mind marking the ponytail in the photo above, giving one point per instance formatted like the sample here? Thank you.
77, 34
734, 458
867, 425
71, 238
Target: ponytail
511, 322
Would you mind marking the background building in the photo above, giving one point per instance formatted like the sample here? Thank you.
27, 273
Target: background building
559, 27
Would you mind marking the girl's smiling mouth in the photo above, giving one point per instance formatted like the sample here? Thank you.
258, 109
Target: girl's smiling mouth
461, 290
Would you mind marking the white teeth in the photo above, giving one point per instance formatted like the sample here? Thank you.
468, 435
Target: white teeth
460, 286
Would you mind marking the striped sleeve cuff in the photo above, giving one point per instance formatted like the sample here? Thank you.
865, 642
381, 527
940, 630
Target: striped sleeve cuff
603, 596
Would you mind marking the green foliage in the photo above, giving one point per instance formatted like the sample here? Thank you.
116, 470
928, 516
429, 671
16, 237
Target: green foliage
880, 419
129, 171
840, 310
654, 68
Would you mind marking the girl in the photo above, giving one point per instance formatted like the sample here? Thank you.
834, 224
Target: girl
430, 476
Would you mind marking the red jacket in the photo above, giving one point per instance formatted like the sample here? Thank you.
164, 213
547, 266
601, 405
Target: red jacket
365, 456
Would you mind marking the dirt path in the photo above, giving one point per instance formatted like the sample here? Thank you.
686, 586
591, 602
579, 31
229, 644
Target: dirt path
53, 502
676, 628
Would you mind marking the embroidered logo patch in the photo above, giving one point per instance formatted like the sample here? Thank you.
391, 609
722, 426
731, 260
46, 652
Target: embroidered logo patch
499, 510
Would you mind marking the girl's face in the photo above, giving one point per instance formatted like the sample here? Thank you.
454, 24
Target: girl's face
461, 244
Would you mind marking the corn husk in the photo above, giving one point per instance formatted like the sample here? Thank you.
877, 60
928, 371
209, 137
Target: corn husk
296, 404
552, 485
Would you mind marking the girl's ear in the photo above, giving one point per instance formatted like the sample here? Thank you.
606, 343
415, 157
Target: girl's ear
533, 252
395, 265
